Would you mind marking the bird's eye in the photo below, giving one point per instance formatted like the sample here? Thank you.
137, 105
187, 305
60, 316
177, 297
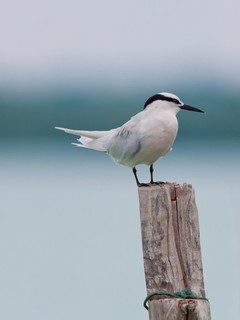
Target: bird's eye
175, 101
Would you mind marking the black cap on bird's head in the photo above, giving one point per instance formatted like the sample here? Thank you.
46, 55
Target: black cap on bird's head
169, 97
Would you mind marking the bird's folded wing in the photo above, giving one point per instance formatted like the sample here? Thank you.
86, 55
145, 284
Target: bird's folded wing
124, 145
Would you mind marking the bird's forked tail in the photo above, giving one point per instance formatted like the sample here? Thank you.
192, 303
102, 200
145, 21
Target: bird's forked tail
96, 140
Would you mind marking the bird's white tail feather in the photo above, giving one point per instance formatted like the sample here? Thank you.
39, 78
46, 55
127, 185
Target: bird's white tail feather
99, 144
84, 133
97, 140
93, 147
84, 140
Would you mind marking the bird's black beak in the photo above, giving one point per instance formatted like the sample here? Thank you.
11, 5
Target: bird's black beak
189, 108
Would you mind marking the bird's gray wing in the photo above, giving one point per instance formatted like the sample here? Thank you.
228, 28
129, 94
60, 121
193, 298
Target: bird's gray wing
124, 144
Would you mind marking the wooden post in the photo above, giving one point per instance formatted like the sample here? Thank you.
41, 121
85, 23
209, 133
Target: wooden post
171, 251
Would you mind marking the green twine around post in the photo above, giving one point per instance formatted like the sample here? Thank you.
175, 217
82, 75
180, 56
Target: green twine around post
184, 294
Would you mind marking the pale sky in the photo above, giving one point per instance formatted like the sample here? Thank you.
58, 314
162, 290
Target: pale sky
54, 39
61, 249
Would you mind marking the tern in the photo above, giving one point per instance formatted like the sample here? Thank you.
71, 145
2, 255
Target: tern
146, 137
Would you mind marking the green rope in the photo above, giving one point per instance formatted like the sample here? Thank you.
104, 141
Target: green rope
184, 294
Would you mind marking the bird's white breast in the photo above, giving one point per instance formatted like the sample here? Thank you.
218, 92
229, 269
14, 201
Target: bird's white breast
158, 133
146, 137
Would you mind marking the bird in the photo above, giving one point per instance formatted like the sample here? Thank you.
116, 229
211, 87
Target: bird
146, 137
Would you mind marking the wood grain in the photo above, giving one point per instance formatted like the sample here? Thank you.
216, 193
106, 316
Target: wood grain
179, 309
171, 243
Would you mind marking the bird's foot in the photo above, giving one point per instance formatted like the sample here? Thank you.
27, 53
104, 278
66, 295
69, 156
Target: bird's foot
157, 182
151, 183
143, 184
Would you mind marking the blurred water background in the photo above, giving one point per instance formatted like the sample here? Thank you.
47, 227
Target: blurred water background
69, 218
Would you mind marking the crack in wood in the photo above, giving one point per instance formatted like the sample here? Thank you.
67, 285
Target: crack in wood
177, 236
171, 245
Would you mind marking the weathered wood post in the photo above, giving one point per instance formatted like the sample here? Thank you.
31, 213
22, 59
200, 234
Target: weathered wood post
171, 252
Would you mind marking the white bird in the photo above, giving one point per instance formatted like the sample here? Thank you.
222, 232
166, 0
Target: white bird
145, 138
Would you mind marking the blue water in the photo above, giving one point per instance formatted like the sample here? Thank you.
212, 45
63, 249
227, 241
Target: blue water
70, 238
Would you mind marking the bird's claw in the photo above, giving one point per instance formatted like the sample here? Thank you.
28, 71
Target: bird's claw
157, 182
144, 184
151, 183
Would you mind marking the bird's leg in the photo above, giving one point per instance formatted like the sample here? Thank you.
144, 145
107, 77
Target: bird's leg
135, 175
151, 173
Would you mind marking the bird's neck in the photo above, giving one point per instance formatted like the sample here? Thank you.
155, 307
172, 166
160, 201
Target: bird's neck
162, 112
